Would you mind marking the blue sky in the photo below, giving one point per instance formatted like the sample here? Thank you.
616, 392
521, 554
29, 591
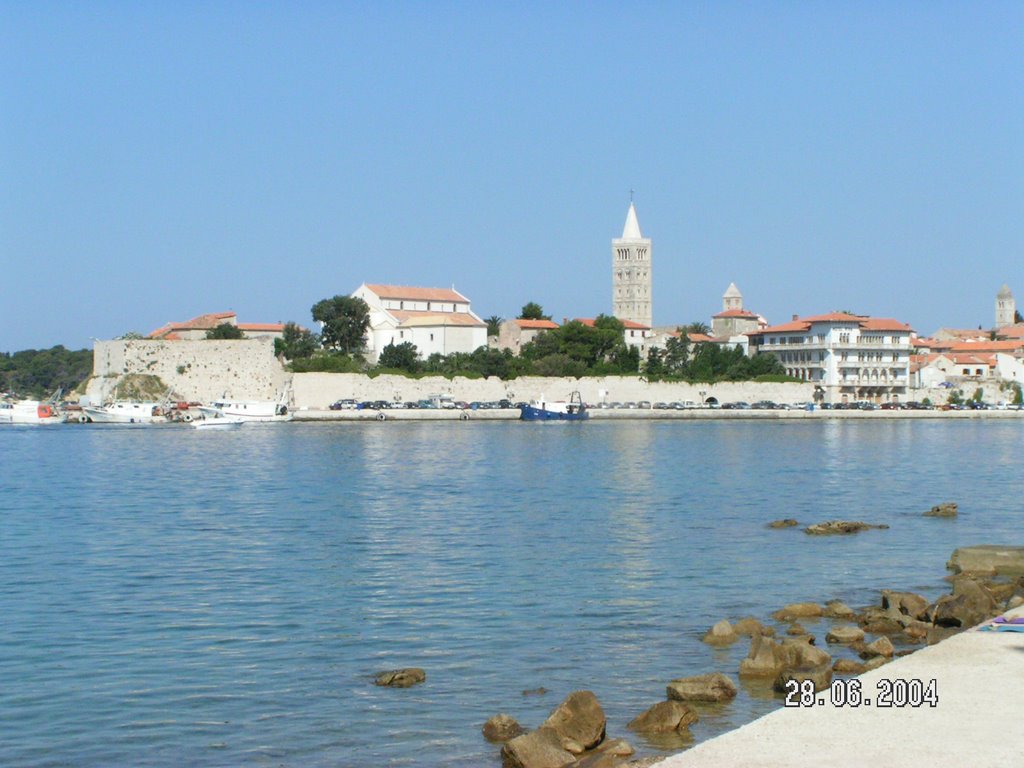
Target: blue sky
161, 160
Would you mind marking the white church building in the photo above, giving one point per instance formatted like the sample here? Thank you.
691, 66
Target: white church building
434, 319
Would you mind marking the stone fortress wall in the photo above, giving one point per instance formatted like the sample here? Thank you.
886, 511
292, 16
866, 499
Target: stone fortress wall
247, 369
241, 369
319, 390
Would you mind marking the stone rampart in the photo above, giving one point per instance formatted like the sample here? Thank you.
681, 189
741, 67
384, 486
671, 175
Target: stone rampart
243, 369
318, 390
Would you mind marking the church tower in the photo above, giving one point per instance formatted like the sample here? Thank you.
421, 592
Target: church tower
631, 273
1006, 307
732, 298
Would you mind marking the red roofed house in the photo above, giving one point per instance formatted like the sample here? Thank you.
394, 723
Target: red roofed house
514, 334
434, 319
849, 357
633, 333
197, 327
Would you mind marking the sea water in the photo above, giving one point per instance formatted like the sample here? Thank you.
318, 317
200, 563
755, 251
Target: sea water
171, 597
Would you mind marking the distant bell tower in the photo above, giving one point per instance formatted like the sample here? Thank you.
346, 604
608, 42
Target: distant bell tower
732, 298
1006, 307
631, 273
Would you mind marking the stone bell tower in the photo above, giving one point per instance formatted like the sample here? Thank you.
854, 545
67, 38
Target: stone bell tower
1006, 307
631, 273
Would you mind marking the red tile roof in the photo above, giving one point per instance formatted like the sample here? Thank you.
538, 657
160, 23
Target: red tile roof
411, 293
629, 324
737, 313
544, 325
1011, 331
987, 346
412, 317
883, 324
803, 324
277, 327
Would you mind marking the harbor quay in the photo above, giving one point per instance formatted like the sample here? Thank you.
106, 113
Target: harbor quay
600, 414
971, 721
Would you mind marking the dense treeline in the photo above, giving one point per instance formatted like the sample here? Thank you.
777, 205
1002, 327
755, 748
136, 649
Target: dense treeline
572, 349
40, 372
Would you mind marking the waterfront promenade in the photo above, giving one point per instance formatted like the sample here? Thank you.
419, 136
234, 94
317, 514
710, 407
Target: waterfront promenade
601, 414
975, 722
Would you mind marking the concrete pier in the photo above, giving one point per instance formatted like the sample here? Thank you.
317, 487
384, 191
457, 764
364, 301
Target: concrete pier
977, 721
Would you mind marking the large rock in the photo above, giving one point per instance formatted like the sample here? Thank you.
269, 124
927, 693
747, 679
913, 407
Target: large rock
664, 717
611, 753
844, 635
761, 661
711, 687
904, 606
880, 647
946, 509
821, 676
833, 527
538, 749
970, 604
502, 728
848, 667
836, 609
401, 678
798, 611
800, 653
579, 719
721, 634
751, 626
990, 559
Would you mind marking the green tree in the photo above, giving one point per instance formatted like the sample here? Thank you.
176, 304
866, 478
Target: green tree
344, 321
533, 311
225, 331
697, 327
977, 396
130, 335
1018, 395
1017, 317
296, 342
401, 357
40, 372
956, 397
493, 325
677, 354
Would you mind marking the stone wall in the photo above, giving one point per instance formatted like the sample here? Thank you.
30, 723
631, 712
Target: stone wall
243, 369
318, 390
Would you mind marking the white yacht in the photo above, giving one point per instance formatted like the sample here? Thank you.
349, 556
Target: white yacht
125, 412
30, 412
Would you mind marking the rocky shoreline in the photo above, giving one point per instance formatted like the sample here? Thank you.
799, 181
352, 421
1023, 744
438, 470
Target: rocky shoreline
784, 656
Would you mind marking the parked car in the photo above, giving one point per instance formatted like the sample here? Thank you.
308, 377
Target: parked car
644, 404
347, 404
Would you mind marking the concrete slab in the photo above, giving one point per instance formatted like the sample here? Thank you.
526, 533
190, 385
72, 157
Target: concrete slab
978, 720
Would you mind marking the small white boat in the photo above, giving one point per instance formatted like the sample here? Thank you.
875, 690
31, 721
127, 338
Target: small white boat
29, 412
125, 412
247, 410
217, 422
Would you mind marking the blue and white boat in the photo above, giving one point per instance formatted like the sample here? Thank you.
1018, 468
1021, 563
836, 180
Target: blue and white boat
572, 409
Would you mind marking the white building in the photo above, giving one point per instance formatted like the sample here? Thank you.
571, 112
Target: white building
848, 357
434, 319
517, 333
631, 273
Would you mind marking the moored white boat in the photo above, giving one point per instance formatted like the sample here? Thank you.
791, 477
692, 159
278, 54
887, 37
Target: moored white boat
247, 410
217, 422
125, 412
30, 412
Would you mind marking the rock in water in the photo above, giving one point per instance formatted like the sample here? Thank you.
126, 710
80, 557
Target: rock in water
721, 634
761, 661
664, 717
502, 728
711, 687
881, 647
836, 609
538, 749
833, 527
844, 635
946, 509
579, 719
751, 626
787, 523
848, 667
1006, 561
401, 678
798, 611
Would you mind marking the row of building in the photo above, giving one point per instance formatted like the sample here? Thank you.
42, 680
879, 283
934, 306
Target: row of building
846, 356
